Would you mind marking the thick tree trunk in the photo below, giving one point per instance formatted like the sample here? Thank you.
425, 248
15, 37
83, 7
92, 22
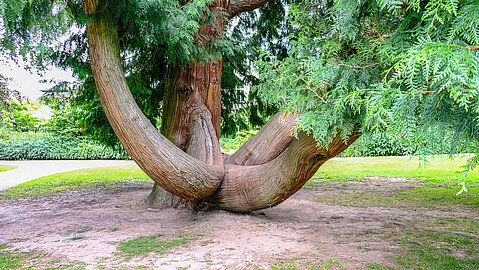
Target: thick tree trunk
247, 188
188, 162
191, 119
192, 111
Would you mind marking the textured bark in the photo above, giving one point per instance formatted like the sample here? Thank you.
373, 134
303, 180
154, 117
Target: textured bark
192, 111
268, 143
173, 169
238, 6
247, 188
190, 120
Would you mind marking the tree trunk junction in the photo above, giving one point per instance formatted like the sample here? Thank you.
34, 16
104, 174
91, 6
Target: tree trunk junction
185, 159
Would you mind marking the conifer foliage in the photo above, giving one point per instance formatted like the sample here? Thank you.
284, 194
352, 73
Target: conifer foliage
407, 67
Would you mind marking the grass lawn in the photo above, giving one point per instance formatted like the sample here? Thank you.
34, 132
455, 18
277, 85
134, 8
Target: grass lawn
437, 188
6, 168
437, 170
419, 249
84, 178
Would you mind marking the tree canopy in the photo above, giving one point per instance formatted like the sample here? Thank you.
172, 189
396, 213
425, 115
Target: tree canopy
406, 67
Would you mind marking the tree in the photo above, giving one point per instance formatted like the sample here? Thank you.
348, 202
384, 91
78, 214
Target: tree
13, 114
349, 67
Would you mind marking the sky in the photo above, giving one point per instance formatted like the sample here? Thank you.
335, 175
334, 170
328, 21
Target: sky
28, 83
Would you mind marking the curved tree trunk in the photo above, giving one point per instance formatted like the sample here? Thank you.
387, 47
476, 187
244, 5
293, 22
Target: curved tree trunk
166, 164
247, 188
188, 162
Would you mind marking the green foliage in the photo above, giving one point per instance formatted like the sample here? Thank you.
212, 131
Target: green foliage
31, 145
386, 144
232, 143
378, 144
84, 178
407, 68
154, 34
9, 98
21, 118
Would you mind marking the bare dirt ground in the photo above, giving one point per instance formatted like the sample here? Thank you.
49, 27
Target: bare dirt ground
87, 226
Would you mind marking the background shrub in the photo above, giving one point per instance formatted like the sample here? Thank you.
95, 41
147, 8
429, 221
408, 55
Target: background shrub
43, 145
383, 144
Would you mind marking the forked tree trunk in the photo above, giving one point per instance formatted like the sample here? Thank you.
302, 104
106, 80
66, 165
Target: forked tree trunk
191, 119
188, 162
192, 111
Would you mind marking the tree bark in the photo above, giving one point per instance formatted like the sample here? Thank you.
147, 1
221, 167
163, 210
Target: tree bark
247, 188
192, 110
191, 120
171, 168
267, 144
239, 6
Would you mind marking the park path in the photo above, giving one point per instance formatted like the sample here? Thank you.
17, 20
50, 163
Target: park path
32, 169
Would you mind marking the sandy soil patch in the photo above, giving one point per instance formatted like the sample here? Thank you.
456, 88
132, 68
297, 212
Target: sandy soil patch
87, 226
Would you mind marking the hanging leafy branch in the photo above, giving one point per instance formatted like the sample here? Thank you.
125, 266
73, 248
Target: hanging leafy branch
406, 67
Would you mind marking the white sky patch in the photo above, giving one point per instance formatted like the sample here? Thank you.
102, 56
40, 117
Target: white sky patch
29, 83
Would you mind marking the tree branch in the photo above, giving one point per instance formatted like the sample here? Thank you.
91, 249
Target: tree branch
239, 6
248, 188
268, 143
170, 167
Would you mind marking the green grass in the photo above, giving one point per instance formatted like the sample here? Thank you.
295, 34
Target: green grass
85, 178
7, 167
433, 250
437, 188
300, 263
439, 169
16, 259
423, 196
8, 259
143, 245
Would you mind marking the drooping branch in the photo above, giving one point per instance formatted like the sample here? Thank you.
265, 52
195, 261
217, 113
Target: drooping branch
248, 188
170, 167
268, 143
238, 6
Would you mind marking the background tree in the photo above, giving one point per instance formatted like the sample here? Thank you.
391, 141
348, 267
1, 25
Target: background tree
330, 75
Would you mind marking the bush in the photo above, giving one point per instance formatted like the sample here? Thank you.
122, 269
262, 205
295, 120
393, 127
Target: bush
383, 144
31, 145
230, 144
369, 145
